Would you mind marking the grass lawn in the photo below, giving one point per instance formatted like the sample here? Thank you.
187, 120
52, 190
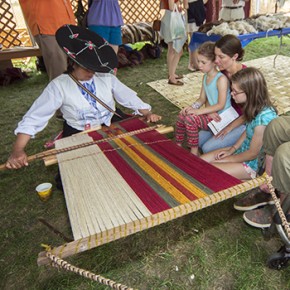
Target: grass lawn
210, 249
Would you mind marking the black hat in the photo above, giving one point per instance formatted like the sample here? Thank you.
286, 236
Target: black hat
87, 48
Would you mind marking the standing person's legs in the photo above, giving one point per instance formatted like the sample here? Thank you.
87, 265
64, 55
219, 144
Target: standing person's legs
115, 38
112, 34
193, 65
173, 58
192, 59
54, 58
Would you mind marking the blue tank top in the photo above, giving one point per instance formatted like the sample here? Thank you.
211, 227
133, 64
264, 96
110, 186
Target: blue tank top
212, 94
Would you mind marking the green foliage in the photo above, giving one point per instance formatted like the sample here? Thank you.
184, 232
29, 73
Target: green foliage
210, 249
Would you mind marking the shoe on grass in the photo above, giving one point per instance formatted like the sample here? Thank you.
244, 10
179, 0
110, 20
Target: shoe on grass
260, 218
253, 200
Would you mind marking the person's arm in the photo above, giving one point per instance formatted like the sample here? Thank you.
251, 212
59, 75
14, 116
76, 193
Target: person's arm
171, 4
222, 86
219, 155
18, 157
236, 123
197, 104
252, 152
150, 117
129, 99
33, 122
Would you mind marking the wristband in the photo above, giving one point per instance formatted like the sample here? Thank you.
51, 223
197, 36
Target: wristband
196, 105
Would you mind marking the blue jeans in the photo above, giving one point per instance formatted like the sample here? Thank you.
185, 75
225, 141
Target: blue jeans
207, 141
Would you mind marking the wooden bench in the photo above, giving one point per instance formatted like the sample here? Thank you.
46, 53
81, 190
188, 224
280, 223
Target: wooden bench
16, 52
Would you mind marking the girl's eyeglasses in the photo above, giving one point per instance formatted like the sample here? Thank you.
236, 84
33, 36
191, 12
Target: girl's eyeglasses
236, 93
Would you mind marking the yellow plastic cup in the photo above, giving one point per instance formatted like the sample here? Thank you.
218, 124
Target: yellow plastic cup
44, 191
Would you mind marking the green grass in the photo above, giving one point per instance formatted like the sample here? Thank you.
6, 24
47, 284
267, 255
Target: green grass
210, 249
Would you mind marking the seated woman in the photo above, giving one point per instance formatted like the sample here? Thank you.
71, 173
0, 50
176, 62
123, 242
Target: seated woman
228, 54
214, 93
91, 62
249, 88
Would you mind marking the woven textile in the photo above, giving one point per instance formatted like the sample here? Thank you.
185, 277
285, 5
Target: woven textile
130, 178
157, 182
278, 80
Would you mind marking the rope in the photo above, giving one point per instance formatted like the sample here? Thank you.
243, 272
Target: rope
59, 263
114, 149
278, 205
62, 150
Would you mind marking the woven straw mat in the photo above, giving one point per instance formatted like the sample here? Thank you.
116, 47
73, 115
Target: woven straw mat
278, 81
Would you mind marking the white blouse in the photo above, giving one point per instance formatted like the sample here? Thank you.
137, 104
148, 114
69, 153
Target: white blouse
64, 94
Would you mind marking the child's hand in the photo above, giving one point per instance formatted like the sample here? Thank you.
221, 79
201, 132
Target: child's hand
186, 111
223, 132
192, 111
215, 116
222, 154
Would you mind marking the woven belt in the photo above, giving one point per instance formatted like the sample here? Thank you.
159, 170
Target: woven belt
231, 7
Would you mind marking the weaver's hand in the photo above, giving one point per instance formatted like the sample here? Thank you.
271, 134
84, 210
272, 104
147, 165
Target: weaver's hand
153, 118
17, 160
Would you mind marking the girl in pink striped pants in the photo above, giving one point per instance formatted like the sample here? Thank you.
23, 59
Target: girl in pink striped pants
214, 95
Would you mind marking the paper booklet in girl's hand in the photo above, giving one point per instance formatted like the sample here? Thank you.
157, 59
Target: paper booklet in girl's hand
227, 116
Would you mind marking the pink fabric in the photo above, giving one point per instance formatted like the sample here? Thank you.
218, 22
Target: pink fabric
189, 125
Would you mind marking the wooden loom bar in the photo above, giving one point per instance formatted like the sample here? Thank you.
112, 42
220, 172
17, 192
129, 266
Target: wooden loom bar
96, 240
53, 159
49, 156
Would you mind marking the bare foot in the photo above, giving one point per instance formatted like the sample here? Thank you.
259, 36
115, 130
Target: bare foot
194, 151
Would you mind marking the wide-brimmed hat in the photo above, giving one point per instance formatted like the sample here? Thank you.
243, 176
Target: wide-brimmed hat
87, 48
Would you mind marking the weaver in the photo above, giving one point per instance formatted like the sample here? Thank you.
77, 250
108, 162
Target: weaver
117, 188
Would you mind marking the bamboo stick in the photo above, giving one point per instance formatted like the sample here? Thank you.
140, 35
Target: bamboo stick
53, 159
49, 156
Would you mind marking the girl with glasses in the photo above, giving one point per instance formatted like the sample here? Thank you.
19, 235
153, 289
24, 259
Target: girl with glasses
240, 160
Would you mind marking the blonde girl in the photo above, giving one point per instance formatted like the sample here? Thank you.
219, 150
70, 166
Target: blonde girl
215, 95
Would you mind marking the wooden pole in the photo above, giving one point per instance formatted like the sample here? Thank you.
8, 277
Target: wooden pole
49, 156
125, 230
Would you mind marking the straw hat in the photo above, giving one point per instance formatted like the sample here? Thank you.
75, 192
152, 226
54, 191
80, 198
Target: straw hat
87, 48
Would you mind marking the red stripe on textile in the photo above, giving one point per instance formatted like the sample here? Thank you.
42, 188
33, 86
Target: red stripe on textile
205, 173
147, 195
190, 195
